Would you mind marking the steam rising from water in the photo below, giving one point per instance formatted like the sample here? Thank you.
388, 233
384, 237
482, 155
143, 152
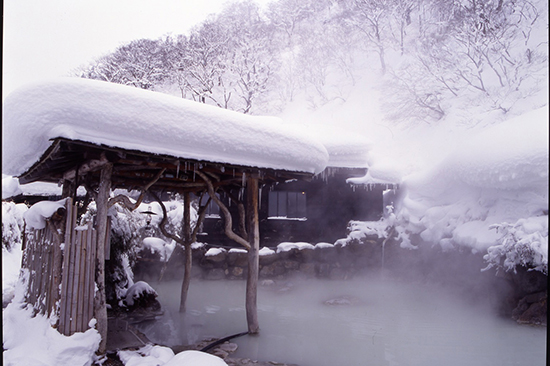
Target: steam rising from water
386, 321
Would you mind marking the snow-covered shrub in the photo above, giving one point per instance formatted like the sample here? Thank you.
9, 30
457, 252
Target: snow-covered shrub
141, 295
360, 230
12, 223
524, 243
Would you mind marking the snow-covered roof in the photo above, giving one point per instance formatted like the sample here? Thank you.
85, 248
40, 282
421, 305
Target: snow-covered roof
130, 118
346, 149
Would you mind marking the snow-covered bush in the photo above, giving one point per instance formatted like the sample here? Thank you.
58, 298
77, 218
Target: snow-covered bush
12, 223
524, 243
360, 230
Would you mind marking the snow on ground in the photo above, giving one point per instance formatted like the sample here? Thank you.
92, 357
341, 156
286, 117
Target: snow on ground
31, 341
131, 118
150, 355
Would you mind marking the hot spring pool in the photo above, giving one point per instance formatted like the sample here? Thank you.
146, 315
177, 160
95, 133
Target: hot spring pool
382, 322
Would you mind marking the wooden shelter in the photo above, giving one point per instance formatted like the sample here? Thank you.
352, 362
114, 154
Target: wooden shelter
102, 168
103, 136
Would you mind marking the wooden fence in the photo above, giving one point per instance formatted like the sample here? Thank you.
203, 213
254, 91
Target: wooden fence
62, 271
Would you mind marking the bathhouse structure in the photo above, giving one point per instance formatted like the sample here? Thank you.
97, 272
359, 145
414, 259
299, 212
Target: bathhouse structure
102, 136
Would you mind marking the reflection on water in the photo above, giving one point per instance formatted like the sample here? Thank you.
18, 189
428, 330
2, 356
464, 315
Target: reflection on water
387, 323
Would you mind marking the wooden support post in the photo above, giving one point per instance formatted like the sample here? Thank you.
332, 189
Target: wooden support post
253, 255
100, 305
188, 255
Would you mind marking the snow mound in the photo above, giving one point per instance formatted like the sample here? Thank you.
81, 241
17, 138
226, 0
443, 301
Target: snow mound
31, 340
266, 251
36, 216
214, 252
285, 247
131, 118
136, 291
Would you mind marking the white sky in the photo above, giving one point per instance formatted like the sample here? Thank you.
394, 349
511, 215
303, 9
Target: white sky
44, 39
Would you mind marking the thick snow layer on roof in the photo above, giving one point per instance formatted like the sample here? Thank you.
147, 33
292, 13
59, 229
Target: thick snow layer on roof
12, 188
345, 149
126, 117
36, 216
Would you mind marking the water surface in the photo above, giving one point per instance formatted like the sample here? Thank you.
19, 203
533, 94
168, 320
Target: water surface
388, 322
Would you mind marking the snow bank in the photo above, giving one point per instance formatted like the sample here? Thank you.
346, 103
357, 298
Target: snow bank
237, 250
498, 175
286, 246
36, 216
266, 251
214, 252
131, 118
150, 355
29, 340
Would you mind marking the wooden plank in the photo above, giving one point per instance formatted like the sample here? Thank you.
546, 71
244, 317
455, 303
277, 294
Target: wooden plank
39, 270
81, 288
46, 279
57, 263
65, 269
91, 274
76, 273
87, 278
70, 284
30, 296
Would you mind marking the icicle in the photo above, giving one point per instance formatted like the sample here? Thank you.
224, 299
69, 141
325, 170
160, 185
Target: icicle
241, 192
222, 169
178, 169
194, 170
243, 183
260, 197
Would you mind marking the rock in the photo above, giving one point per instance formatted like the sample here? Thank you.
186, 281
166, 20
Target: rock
267, 283
307, 269
216, 259
325, 255
220, 353
338, 274
229, 347
273, 270
237, 259
342, 300
532, 309
215, 274
268, 259
236, 272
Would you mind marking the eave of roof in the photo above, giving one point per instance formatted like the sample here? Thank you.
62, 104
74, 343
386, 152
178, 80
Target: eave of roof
66, 159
